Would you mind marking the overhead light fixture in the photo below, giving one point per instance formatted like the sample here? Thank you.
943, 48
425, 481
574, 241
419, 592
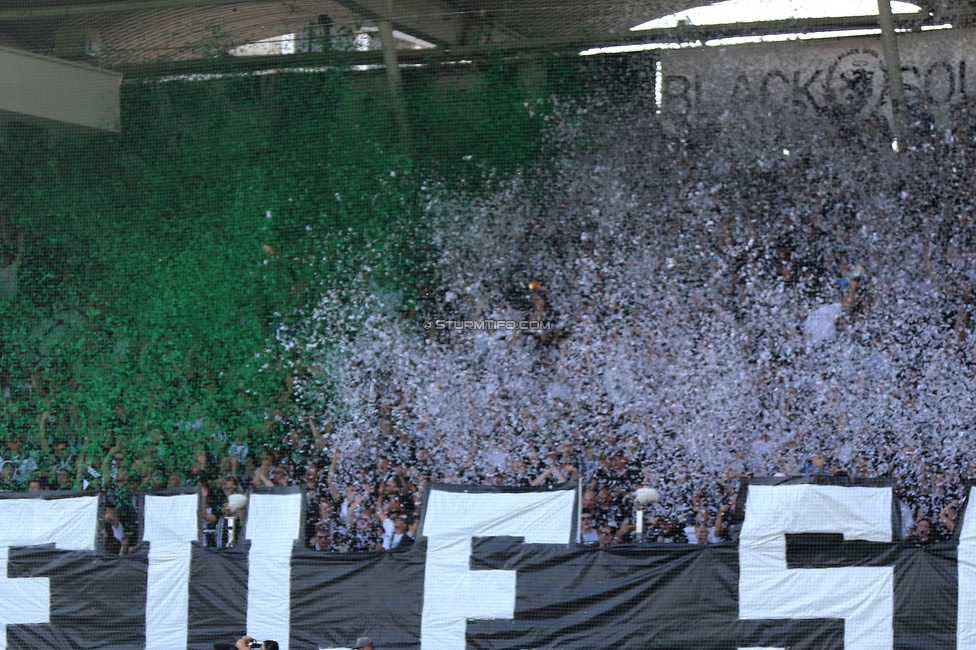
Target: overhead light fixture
750, 11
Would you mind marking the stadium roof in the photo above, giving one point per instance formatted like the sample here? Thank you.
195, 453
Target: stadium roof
141, 35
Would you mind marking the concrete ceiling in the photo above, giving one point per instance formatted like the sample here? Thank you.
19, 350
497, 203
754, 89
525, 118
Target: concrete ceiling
128, 34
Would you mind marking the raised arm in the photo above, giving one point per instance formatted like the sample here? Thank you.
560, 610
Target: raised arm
353, 507
316, 434
406, 485
558, 473
948, 516
541, 478
381, 504
720, 520
261, 478
330, 478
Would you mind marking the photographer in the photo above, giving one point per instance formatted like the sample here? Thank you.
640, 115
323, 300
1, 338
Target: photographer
246, 643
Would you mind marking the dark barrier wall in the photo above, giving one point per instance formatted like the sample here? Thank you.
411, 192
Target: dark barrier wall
476, 574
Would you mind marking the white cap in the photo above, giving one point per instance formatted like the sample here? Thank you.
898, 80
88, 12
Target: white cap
237, 502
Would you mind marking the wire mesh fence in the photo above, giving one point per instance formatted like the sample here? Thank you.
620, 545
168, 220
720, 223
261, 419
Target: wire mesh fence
479, 346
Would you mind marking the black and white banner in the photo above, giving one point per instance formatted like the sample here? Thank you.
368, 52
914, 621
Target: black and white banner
814, 567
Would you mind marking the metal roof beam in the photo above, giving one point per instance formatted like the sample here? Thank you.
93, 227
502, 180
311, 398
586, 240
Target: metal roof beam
686, 33
37, 11
432, 20
529, 46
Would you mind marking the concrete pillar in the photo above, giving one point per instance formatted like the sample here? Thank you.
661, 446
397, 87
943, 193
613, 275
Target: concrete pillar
899, 120
392, 63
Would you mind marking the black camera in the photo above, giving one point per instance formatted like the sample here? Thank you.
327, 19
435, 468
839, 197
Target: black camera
255, 645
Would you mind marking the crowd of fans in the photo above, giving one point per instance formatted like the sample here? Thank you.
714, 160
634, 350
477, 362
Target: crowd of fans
719, 296
375, 507
381, 510
715, 298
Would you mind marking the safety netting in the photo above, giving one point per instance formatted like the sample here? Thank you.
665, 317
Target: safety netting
484, 327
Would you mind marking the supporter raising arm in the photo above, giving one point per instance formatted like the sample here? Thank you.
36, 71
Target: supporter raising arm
353, 504
320, 442
262, 475
948, 516
552, 474
331, 476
